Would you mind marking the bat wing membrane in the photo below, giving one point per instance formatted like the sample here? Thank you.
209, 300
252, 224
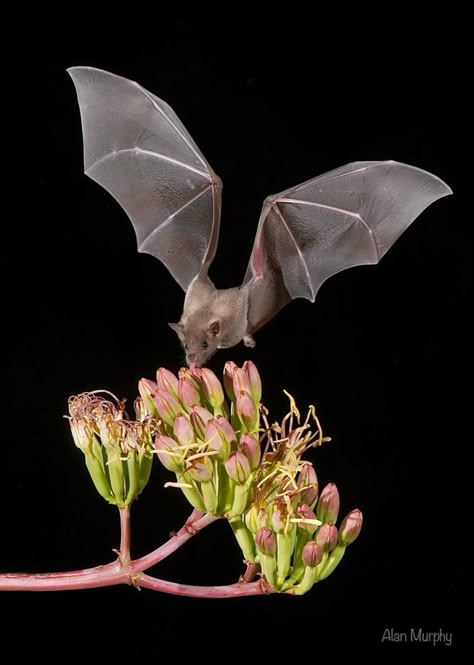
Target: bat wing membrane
350, 216
139, 151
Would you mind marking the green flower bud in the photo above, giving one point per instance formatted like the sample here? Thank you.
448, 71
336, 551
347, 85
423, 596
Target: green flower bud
168, 453
199, 416
217, 440
147, 390
212, 388
200, 469
238, 467
167, 406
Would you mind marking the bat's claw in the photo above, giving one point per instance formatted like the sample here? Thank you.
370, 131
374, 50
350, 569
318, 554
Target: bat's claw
249, 341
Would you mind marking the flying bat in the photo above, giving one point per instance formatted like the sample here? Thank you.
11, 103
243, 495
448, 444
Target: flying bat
136, 147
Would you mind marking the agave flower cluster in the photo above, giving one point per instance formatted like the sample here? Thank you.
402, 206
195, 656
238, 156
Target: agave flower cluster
228, 461
213, 449
294, 528
117, 450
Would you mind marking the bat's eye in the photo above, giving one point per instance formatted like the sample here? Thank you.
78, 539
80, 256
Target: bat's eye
185, 347
204, 345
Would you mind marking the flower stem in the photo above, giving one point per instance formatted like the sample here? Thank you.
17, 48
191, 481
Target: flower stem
190, 529
225, 591
250, 572
121, 571
124, 554
90, 578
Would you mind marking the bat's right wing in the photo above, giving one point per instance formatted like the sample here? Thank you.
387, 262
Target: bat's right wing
350, 216
138, 150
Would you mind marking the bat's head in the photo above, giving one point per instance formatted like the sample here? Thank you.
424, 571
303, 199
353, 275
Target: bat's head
199, 342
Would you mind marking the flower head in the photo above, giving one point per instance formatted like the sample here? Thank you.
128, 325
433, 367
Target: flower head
117, 450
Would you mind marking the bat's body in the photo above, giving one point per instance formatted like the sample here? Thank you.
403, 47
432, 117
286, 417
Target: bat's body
136, 147
213, 319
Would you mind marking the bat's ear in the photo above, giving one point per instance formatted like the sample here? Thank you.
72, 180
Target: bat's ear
214, 328
178, 328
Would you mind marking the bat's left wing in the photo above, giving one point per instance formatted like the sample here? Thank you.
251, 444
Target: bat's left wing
350, 216
136, 147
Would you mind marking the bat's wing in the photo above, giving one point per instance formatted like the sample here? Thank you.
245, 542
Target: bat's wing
136, 147
350, 216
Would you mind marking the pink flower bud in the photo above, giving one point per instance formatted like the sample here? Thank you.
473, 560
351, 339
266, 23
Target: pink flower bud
255, 381
212, 388
251, 449
265, 541
312, 554
188, 394
237, 467
166, 380
246, 410
326, 537
308, 482
217, 440
241, 381
350, 527
328, 504
229, 371
307, 516
183, 431
168, 453
147, 390
262, 518
167, 406
191, 376
278, 521
225, 426
199, 417
200, 469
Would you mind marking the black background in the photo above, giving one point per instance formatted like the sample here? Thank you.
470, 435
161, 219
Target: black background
383, 353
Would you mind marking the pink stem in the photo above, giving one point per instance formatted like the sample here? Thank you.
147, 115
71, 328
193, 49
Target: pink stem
190, 529
121, 571
124, 553
90, 578
226, 591
250, 572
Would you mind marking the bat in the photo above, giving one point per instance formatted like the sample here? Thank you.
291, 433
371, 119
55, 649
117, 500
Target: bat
136, 147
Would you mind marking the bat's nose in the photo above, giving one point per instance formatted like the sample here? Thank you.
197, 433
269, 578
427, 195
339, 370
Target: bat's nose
191, 358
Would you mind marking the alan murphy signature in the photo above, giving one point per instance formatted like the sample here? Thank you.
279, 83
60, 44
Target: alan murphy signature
418, 635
